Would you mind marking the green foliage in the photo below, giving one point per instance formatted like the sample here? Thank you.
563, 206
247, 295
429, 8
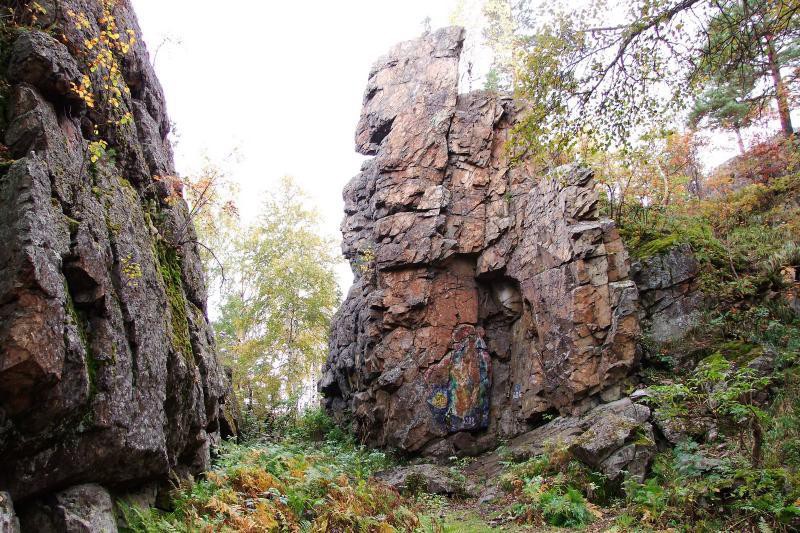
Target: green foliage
607, 72
563, 508
277, 300
98, 153
741, 472
557, 505
748, 474
316, 425
788, 255
291, 484
741, 240
724, 105
784, 430
553, 488
687, 486
719, 389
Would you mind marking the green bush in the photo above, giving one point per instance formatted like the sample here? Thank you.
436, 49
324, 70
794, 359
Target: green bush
564, 508
314, 425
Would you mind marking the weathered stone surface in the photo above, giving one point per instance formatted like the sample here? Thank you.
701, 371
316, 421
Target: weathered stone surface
613, 438
108, 371
39, 60
429, 478
80, 509
669, 293
485, 295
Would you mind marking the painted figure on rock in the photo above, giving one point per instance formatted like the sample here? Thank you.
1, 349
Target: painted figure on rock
462, 403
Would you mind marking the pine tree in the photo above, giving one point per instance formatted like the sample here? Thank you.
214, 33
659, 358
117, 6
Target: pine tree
724, 106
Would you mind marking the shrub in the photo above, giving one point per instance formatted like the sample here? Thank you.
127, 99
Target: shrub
564, 508
310, 479
557, 505
314, 425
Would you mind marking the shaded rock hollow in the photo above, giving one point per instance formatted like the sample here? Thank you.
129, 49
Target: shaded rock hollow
108, 370
487, 297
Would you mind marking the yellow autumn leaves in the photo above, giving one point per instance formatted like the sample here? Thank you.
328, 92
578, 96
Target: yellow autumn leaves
103, 53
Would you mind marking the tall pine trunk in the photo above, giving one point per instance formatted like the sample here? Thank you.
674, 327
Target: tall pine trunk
781, 94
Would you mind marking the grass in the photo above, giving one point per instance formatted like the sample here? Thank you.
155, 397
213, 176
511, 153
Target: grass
462, 522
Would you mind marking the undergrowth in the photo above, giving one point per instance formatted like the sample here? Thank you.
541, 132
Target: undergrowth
732, 385
312, 479
729, 391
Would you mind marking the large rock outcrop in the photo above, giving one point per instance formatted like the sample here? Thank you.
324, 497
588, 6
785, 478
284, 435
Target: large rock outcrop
108, 371
486, 295
669, 291
615, 438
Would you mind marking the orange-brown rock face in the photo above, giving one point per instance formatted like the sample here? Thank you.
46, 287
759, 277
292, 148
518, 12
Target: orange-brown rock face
485, 295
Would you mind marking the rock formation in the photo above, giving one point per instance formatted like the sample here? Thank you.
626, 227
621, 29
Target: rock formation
613, 438
108, 371
669, 291
488, 296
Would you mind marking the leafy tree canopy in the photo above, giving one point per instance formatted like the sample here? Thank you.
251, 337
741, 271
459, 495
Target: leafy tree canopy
609, 71
276, 298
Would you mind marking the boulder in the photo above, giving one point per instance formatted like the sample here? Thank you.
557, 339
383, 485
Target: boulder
486, 294
80, 509
428, 478
614, 438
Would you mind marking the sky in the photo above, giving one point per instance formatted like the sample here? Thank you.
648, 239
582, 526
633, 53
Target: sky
278, 83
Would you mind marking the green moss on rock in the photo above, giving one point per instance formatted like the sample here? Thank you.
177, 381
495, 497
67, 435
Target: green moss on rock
82, 325
169, 265
656, 238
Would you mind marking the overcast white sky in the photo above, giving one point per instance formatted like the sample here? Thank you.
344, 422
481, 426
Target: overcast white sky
281, 82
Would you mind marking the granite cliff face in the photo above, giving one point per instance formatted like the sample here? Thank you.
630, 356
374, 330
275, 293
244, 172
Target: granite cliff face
486, 295
669, 288
108, 371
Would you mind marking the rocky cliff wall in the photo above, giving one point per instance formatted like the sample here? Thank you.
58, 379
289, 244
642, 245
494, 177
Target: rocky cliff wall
487, 296
108, 371
669, 292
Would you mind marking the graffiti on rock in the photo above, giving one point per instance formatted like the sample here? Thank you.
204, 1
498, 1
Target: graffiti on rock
462, 402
